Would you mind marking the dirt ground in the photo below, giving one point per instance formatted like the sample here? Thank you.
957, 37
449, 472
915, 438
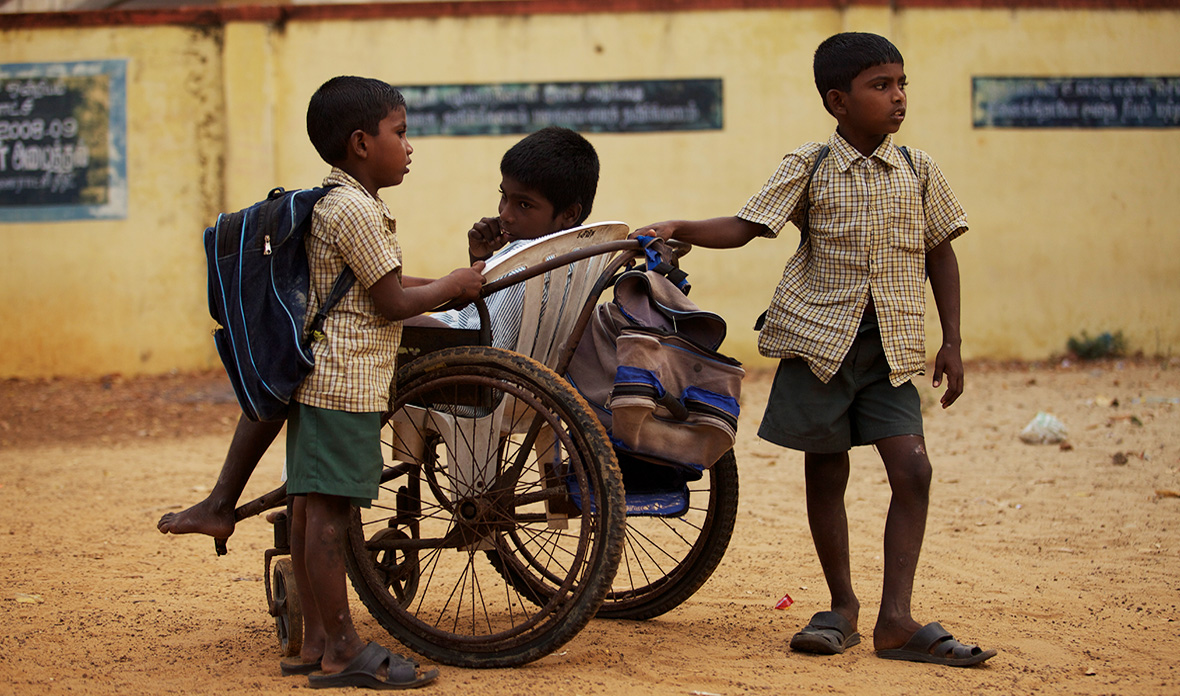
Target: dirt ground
1063, 558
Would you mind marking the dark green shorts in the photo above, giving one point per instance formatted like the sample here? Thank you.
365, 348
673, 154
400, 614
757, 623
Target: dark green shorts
857, 407
333, 453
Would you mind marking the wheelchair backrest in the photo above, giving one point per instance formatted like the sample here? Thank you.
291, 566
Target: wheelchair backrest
554, 300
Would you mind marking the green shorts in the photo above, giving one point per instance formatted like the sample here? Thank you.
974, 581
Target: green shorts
334, 453
858, 406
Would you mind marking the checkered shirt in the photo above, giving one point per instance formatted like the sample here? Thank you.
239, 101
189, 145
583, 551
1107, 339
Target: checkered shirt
354, 362
872, 222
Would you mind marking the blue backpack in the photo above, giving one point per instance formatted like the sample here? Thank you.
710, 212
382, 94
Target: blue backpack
258, 288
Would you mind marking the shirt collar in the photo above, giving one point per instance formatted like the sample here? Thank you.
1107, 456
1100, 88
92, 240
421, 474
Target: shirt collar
845, 155
339, 177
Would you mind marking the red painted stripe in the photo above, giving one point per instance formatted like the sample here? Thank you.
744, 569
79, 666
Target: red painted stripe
216, 16
1040, 4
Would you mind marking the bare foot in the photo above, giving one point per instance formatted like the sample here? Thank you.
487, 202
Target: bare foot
203, 518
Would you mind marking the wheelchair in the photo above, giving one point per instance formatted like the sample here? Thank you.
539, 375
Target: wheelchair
506, 518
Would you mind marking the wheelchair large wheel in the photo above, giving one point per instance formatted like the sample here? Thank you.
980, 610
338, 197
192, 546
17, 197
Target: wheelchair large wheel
666, 559
488, 448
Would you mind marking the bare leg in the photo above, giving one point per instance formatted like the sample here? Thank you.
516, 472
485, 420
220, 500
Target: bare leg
215, 514
827, 480
323, 571
909, 473
313, 627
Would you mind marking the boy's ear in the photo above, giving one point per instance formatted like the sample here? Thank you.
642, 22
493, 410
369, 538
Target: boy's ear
571, 215
358, 144
835, 101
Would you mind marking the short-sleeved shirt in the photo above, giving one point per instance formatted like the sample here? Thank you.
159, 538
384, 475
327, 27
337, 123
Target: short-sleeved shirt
872, 220
354, 362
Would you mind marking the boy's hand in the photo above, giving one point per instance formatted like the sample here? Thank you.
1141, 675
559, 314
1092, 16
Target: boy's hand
663, 230
485, 238
949, 363
714, 233
467, 281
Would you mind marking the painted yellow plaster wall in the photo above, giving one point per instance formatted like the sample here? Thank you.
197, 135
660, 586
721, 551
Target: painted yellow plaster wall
123, 296
1071, 230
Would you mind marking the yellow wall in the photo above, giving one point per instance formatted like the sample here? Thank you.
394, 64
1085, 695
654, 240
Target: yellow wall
96, 297
1071, 229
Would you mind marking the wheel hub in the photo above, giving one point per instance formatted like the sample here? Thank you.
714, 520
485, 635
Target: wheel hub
479, 520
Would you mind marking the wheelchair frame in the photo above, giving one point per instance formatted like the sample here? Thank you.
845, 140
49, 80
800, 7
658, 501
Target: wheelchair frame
500, 548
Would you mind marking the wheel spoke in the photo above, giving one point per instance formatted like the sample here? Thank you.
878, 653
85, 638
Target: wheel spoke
667, 558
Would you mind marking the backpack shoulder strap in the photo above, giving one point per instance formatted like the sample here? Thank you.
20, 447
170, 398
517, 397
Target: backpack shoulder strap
823, 152
805, 223
340, 288
905, 152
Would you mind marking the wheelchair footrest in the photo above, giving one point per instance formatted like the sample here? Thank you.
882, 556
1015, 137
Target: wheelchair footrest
662, 504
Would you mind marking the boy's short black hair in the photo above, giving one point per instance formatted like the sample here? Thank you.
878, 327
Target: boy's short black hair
344, 105
840, 58
557, 162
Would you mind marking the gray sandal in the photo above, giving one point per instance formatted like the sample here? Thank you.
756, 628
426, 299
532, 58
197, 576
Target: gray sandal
932, 643
827, 633
362, 671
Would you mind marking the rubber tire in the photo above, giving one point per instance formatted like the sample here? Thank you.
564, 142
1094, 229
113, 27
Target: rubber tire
289, 620
563, 616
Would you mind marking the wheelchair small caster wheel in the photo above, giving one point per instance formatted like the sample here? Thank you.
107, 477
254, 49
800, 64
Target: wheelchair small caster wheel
286, 608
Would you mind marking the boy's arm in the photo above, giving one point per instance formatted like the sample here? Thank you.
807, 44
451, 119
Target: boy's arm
413, 281
396, 301
943, 269
714, 233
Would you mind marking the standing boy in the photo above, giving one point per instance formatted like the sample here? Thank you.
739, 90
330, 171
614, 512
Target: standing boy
358, 126
847, 323
548, 183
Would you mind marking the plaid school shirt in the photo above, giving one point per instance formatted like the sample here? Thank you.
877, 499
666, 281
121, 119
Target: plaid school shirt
354, 362
871, 223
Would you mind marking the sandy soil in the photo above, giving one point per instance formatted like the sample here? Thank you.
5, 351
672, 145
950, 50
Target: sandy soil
1062, 558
